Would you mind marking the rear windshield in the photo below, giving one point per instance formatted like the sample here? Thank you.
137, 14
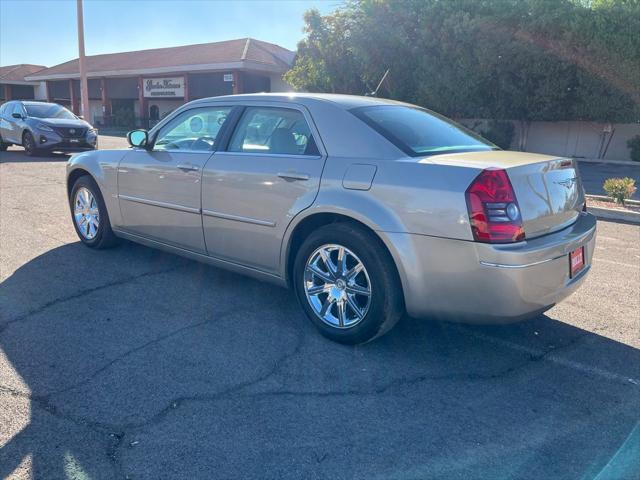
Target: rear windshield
47, 110
419, 132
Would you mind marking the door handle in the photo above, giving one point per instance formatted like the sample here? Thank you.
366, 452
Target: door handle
188, 168
291, 176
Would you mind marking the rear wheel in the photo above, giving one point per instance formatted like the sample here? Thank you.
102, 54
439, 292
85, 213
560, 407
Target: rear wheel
89, 214
29, 144
347, 284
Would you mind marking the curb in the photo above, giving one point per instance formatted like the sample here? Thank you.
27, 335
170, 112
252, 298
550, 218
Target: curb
615, 215
604, 198
630, 163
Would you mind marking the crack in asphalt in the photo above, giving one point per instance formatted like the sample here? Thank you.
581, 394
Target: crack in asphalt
176, 402
132, 351
116, 433
396, 383
82, 293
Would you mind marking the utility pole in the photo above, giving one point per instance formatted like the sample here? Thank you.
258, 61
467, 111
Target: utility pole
84, 85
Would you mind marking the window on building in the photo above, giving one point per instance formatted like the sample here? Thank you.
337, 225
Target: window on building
280, 131
195, 129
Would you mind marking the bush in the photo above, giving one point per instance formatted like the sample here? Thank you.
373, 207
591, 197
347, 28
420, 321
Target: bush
499, 132
634, 145
620, 189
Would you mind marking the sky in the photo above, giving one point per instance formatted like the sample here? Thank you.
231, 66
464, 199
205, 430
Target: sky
46, 34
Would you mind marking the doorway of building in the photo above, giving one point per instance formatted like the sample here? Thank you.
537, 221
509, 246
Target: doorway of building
154, 115
123, 113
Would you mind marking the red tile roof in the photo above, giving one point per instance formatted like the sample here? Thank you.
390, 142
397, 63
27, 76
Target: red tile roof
16, 73
255, 53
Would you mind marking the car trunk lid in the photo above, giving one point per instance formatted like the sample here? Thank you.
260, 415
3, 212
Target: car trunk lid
548, 189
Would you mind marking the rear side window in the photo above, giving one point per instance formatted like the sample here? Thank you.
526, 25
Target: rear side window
419, 132
279, 131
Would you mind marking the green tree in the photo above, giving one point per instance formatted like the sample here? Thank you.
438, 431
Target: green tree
325, 60
501, 59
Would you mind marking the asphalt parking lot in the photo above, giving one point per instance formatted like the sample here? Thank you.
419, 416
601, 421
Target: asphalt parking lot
133, 363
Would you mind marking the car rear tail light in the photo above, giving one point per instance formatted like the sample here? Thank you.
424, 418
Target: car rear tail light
494, 213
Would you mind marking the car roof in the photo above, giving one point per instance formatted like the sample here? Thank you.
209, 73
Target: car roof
344, 101
36, 102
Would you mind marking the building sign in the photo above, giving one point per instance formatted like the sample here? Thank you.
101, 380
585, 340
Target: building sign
163, 87
228, 77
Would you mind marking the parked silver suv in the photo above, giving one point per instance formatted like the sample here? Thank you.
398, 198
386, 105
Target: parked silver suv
366, 207
44, 127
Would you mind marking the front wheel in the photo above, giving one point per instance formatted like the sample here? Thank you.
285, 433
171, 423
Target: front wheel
347, 284
29, 144
89, 214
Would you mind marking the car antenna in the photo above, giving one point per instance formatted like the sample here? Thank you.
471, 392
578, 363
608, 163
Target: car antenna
375, 92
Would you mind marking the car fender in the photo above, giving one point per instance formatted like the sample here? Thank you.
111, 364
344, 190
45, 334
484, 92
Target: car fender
355, 205
102, 165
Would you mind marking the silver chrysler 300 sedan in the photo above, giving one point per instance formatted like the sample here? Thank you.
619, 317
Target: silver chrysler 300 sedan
368, 208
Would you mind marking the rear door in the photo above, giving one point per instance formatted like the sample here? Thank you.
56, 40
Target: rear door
269, 172
159, 190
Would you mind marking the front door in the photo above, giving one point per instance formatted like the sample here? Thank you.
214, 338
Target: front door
12, 126
5, 115
250, 192
159, 190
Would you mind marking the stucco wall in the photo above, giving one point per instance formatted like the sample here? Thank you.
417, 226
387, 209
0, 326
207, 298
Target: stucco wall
573, 139
279, 85
40, 91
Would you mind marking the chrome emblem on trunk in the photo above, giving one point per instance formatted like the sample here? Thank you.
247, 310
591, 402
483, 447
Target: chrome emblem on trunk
568, 183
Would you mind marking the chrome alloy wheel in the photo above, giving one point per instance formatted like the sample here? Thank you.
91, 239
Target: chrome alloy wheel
86, 214
337, 286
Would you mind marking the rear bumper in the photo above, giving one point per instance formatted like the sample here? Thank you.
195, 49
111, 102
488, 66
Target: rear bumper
480, 283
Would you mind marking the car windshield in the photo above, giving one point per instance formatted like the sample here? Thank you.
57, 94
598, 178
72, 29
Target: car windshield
420, 132
48, 110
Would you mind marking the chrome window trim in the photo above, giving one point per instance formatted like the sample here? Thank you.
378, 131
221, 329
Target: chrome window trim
155, 203
207, 152
278, 155
238, 218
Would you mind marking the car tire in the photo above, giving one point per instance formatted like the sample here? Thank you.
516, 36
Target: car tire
361, 318
86, 195
29, 144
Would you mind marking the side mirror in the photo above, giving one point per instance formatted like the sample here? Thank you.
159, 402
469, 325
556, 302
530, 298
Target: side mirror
16, 115
138, 138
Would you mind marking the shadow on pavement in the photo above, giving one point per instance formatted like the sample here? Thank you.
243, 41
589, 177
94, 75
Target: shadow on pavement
18, 156
139, 363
